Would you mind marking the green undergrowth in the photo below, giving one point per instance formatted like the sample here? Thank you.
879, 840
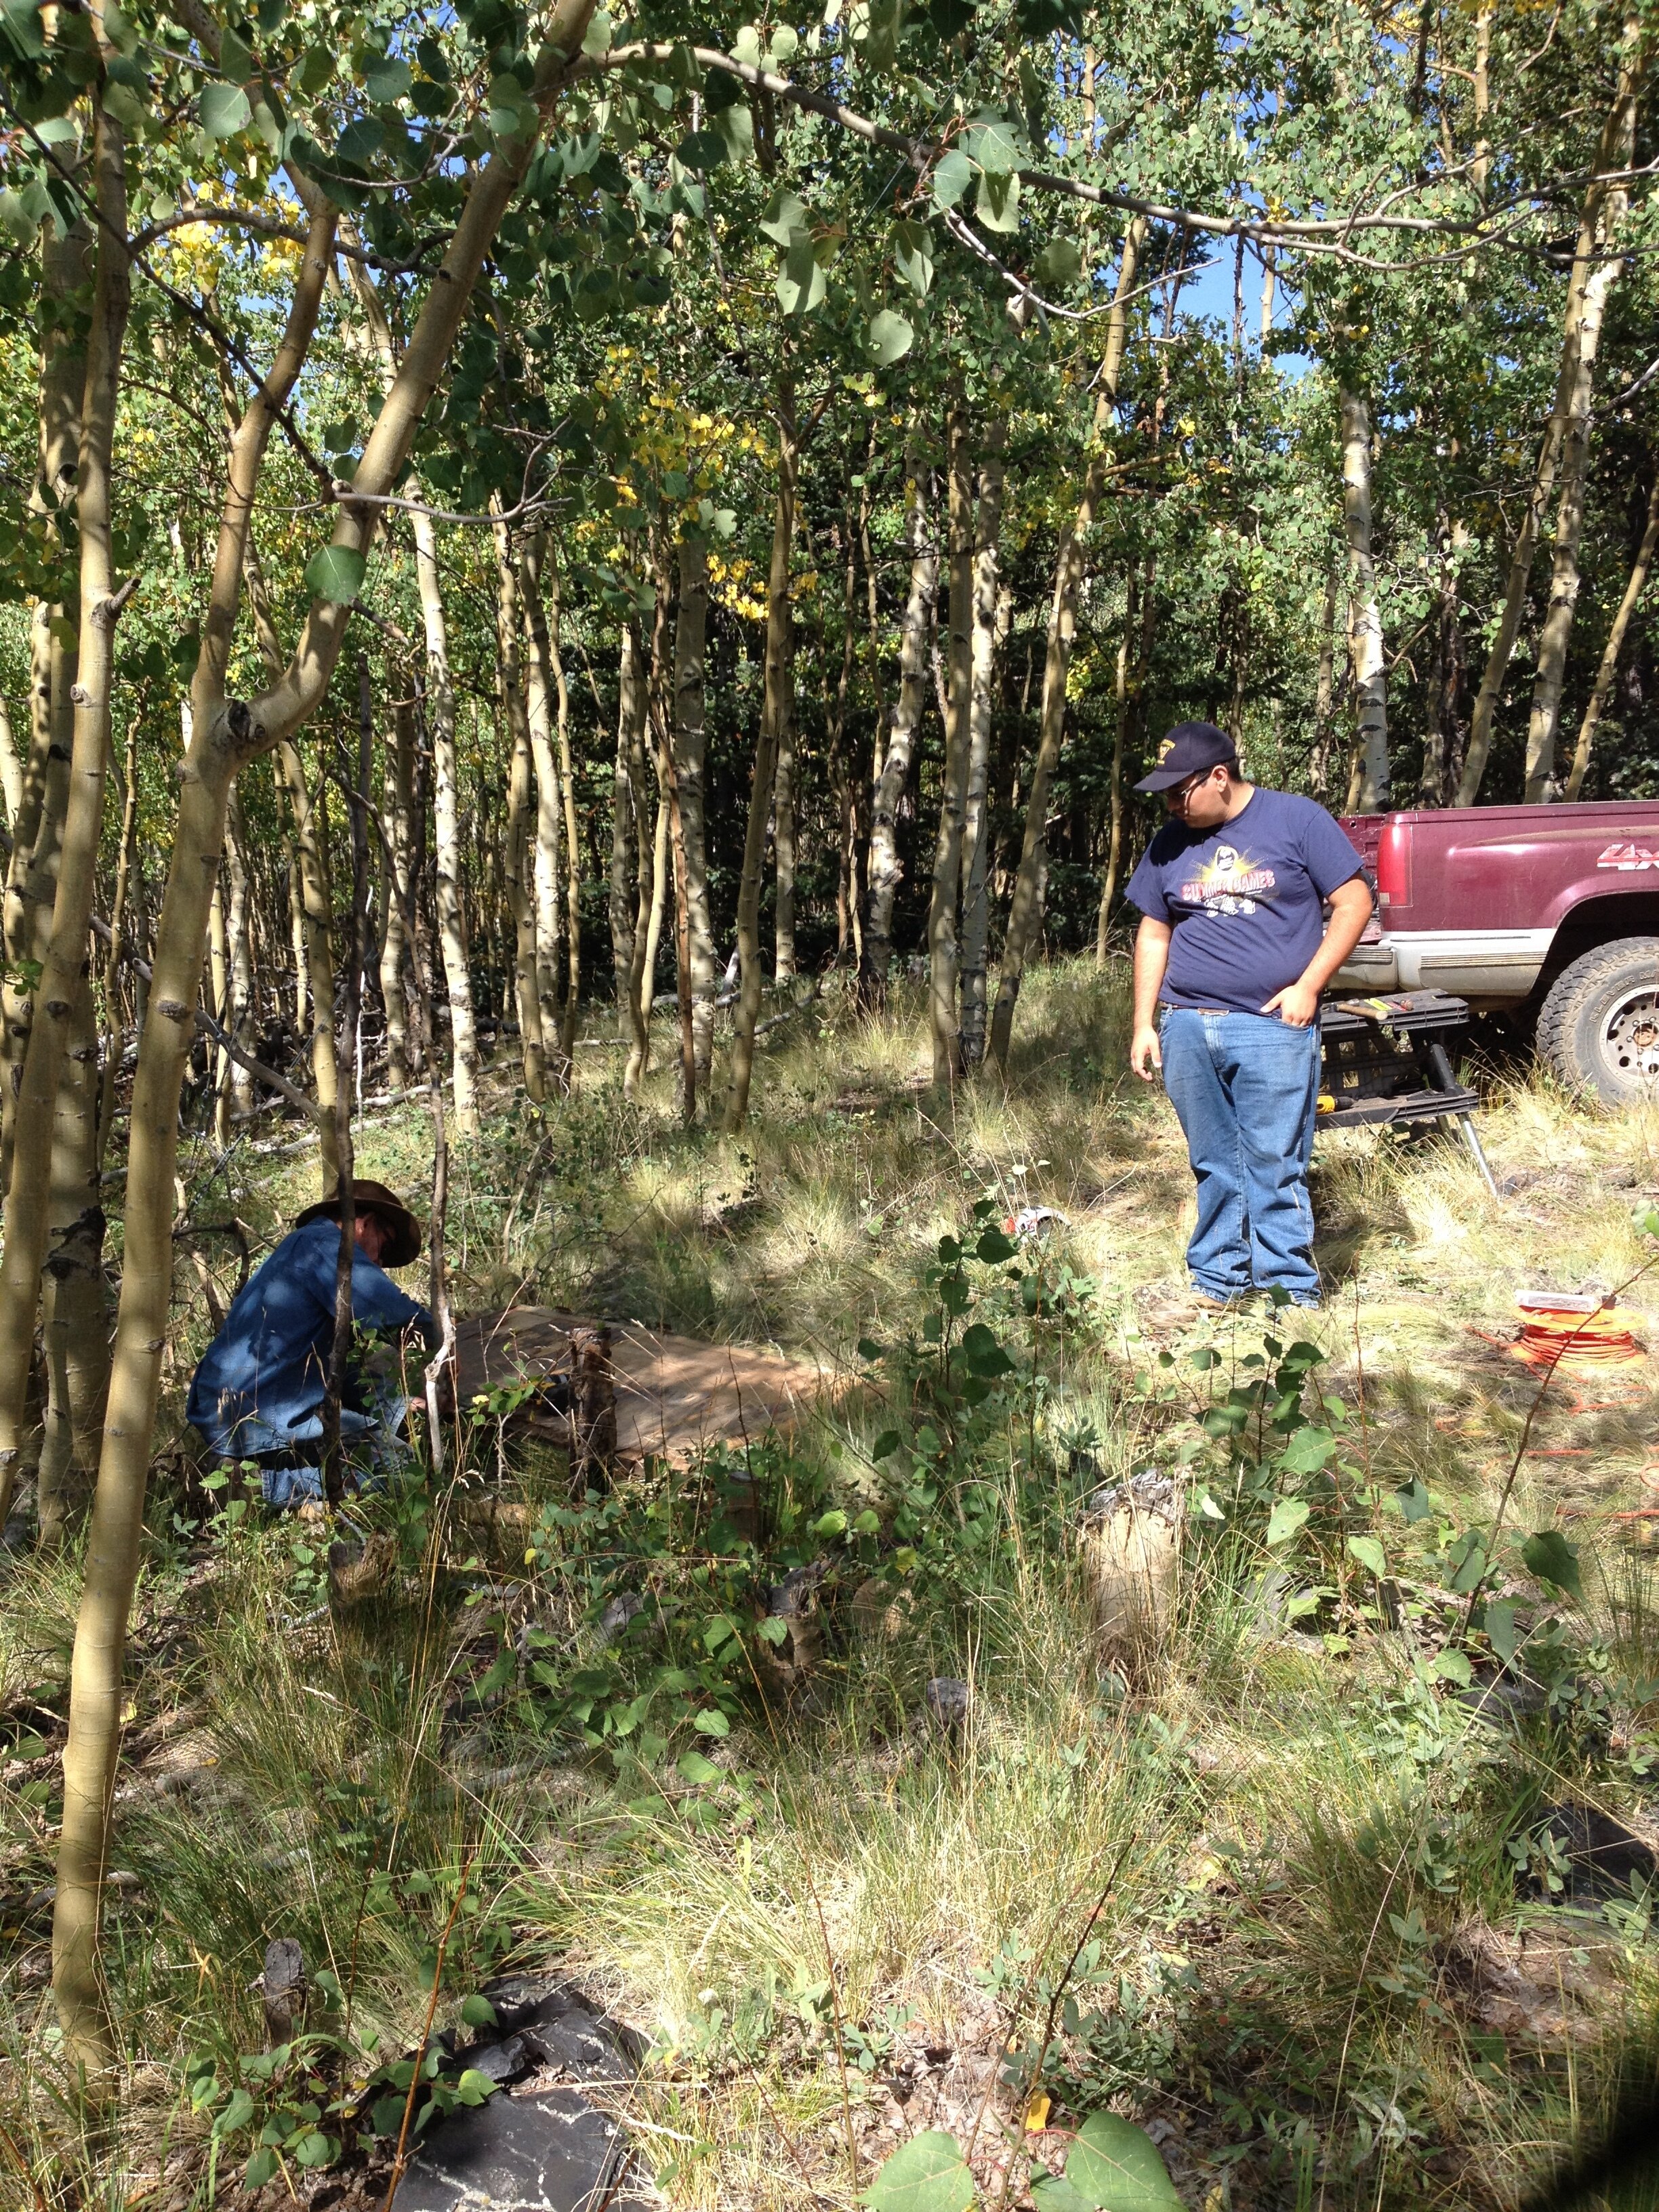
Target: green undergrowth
812, 1759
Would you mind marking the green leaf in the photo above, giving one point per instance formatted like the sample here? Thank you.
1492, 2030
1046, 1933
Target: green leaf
926, 2174
886, 1444
1115, 2166
261, 2165
702, 150
474, 2087
121, 102
1053, 2193
1469, 1561
237, 2113
336, 573
360, 142
912, 256
1309, 1450
713, 1722
1369, 1554
1548, 1554
478, 2012
1287, 1518
801, 284
1498, 1621
596, 40
785, 221
1059, 263
1453, 1667
830, 1524
21, 20
235, 58
317, 2148
693, 1767
387, 78
14, 218
1645, 1220
997, 202
952, 174
223, 110
1413, 1500
771, 1629
997, 145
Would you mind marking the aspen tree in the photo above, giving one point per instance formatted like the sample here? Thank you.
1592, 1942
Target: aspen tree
1025, 911
1368, 787
545, 686
776, 704
953, 792
976, 838
915, 642
226, 733
1601, 691
397, 799
686, 797
518, 854
636, 986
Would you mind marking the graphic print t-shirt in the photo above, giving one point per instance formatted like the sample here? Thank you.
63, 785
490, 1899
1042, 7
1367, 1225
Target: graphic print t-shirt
1244, 900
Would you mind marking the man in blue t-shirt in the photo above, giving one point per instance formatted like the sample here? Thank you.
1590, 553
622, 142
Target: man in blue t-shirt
1232, 953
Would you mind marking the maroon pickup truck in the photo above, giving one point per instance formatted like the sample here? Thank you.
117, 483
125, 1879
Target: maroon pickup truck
1549, 912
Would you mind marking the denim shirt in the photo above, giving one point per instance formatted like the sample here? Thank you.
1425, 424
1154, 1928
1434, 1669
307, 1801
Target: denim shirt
262, 1381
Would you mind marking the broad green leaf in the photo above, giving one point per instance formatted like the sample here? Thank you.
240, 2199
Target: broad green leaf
1413, 1500
1054, 2193
785, 44
317, 2148
474, 2087
1468, 1557
478, 2011
121, 102
1369, 1554
237, 2113
886, 1444
360, 141
926, 2174
997, 202
21, 20
702, 150
1060, 262
1645, 1220
1287, 1518
693, 1767
952, 174
996, 145
223, 110
785, 221
1498, 1621
1115, 2166
1453, 1667
912, 256
14, 218
337, 573
713, 1722
261, 2165
387, 78
1548, 1554
830, 1524
597, 38
235, 58
736, 128
801, 284
1309, 1450
746, 46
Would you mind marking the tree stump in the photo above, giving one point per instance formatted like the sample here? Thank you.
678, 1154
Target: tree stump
1131, 1546
284, 1986
592, 1410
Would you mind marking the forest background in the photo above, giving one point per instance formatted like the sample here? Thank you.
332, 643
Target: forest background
506, 512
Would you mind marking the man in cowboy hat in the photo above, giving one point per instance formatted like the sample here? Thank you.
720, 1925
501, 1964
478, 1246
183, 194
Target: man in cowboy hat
258, 1392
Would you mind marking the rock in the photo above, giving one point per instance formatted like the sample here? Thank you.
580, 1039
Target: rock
945, 1700
552, 2152
619, 1616
1131, 1543
357, 1571
509, 2060
1506, 1697
1603, 1856
284, 1987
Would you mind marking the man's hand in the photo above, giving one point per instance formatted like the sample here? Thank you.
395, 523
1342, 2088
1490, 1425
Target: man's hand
1297, 1004
1146, 1053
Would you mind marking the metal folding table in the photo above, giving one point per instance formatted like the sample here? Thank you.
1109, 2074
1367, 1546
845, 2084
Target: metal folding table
1385, 1060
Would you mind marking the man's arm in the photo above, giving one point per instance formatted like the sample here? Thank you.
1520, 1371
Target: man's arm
1350, 909
1151, 959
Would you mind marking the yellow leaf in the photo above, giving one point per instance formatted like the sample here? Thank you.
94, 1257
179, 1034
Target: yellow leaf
1036, 2111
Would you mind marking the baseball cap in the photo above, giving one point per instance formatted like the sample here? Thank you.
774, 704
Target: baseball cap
1189, 748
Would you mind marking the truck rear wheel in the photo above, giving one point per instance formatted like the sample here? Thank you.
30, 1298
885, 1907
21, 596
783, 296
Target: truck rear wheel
1599, 1028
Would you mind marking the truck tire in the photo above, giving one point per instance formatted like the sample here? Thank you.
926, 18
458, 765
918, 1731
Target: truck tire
1598, 1026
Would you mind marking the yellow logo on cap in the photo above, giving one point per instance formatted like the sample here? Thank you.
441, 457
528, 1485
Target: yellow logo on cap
1165, 750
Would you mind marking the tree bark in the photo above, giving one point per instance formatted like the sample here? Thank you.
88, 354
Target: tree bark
1604, 674
316, 907
1544, 722
1368, 790
942, 948
397, 789
226, 732
519, 857
976, 839
1585, 260
239, 932
1025, 911
686, 797
58, 1021
546, 685
1114, 797
783, 808
74, 1328
633, 985
776, 705
915, 642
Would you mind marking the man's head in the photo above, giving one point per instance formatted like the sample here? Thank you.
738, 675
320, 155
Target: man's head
1197, 775
386, 1231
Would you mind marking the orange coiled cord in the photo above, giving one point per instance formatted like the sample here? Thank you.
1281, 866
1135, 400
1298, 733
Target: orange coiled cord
1549, 1336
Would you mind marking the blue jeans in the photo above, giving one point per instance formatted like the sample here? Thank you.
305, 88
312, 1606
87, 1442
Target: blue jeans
1246, 1087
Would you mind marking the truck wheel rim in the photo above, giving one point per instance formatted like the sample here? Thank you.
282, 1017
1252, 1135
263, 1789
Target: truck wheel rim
1629, 1035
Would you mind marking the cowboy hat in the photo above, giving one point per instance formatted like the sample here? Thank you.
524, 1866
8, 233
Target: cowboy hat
386, 1206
